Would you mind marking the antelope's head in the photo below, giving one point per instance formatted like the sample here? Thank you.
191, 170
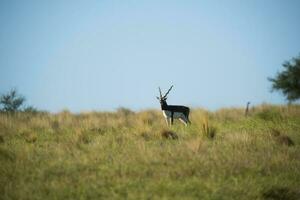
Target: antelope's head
163, 98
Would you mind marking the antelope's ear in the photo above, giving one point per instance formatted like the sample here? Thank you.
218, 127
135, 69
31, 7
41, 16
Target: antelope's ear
157, 98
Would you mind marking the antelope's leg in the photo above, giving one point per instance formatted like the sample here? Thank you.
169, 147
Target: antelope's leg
183, 120
188, 120
167, 121
172, 118
170, 121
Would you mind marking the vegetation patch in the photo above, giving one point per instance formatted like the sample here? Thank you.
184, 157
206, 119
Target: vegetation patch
269, 114
124, 155
167, 134
208, 130
1, 139
280, 193
6, 155
282, 139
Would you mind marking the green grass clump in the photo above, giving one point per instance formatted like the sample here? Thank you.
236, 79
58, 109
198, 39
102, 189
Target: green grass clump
134, 155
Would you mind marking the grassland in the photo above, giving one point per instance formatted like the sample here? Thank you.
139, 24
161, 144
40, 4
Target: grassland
127, 155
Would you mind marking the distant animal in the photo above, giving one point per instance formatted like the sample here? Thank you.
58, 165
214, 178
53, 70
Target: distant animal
172, 112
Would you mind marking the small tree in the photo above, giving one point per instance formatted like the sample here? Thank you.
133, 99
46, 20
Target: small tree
12, 101
288, 81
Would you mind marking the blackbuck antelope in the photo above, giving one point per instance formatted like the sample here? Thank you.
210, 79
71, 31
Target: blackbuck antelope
172, 112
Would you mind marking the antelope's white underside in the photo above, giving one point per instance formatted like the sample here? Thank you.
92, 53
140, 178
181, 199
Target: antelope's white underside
176, 115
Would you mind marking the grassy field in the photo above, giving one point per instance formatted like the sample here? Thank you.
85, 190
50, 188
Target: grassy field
127, 155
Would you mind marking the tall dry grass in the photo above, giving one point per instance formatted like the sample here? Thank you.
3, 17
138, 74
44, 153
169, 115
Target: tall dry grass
125, 155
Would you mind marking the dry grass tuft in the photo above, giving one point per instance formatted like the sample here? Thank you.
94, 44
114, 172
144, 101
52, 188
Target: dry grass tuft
167, 134
146, 136
285, 140
281, 139
194, 145
208, 130
275, 132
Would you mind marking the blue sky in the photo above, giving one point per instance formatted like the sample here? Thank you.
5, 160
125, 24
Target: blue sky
100, 55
